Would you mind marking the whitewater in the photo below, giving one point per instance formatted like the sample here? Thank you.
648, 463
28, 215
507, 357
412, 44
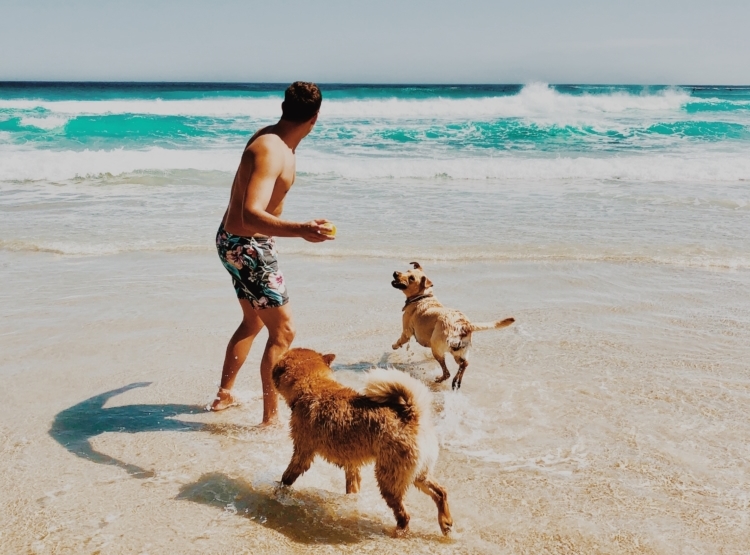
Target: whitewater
535, 131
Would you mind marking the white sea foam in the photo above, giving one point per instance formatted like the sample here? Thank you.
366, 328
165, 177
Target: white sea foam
688, 167
669, 256
52, 122
536, 100
221, 107
18, 164
127, 244
460, 425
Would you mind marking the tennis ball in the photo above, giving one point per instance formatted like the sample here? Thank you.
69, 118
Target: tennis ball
330, 229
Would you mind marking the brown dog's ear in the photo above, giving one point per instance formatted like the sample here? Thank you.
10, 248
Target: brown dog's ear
329, 358
416, 265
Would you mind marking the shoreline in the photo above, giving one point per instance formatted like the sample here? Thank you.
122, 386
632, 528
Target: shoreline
609, 418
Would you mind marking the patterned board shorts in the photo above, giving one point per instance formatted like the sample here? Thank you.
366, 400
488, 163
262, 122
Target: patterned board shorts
254, 268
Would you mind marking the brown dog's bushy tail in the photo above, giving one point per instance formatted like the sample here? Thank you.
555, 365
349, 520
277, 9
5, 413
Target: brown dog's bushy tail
493, 325
391, 387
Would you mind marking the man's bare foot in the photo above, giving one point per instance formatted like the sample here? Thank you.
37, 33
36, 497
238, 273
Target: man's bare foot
224, 399
270, 421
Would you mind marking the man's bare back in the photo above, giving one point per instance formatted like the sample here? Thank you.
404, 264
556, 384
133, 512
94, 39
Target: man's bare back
246, 245
271, 151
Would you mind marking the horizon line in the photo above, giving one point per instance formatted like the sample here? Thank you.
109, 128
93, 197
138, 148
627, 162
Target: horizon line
15, 82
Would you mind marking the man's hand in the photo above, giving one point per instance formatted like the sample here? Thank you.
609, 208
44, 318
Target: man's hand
314, 231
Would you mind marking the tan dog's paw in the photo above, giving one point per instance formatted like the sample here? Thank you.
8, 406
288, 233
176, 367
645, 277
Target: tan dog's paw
395, 346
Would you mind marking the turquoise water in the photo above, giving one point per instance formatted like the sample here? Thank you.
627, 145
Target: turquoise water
535, 171
381, 120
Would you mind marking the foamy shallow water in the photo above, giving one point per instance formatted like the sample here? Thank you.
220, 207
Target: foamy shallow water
611, 418
676, 223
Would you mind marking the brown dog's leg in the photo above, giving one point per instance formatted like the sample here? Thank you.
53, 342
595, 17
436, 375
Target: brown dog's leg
462, 364
299, 464
392, 483
441, 361
429, 486
395, 502
353, 479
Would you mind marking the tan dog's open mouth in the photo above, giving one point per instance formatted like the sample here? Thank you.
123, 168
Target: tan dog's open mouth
396, 283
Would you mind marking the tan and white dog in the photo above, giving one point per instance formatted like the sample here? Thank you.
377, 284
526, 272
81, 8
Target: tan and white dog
389, 423
442, 329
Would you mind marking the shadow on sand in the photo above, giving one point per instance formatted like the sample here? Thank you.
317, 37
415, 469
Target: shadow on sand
74, 427
299, 516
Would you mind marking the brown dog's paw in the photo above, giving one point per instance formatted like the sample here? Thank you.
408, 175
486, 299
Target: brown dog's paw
281, 489
395, 346
441, 379
400, 532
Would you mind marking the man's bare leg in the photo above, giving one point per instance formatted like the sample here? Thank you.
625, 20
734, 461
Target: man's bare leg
237, 350
280, 337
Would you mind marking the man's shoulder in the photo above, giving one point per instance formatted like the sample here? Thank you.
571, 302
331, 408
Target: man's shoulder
267, 143
266, 154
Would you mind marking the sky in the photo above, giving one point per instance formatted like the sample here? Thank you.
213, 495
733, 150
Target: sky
388, 41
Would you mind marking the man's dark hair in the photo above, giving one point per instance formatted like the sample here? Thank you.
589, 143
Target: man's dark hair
301, 101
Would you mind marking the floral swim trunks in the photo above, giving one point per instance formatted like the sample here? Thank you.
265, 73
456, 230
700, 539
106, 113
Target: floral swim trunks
254, 268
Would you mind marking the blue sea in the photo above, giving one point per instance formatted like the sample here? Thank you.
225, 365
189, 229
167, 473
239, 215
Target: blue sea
509, 171
612, 222
384, 131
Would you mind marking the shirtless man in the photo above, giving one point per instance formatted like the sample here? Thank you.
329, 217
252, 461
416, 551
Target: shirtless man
246, 246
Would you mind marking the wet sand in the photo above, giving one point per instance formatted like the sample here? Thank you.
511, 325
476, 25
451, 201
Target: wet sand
611, 418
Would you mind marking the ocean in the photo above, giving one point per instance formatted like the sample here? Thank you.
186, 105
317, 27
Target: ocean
582, 172
611, 221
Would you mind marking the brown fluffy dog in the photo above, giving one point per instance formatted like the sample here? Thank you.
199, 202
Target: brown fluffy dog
443, 330
389, 424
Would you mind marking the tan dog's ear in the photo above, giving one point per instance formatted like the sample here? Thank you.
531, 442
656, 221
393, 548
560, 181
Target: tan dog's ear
416, 265
329, 358
425, 282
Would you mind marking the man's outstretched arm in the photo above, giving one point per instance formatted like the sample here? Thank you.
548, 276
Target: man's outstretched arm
268, 163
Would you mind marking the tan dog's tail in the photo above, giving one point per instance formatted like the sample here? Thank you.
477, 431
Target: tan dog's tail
493, 325
392, 387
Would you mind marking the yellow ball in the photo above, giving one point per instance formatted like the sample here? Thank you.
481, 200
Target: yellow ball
331, 230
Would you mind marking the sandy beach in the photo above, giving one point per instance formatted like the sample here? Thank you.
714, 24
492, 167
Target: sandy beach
610, 419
